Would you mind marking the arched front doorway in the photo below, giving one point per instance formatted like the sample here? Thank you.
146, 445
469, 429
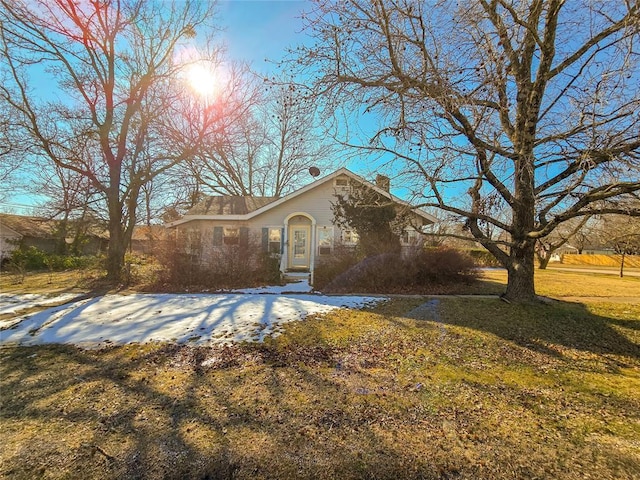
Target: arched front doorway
300, 240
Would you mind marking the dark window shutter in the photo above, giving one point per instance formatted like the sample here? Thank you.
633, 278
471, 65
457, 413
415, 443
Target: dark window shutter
265, 239
244, 236
282, 241
218, 233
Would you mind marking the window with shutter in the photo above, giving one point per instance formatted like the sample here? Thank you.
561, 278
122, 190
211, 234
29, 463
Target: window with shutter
275, 240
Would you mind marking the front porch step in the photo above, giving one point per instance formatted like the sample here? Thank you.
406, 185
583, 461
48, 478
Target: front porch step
293, 276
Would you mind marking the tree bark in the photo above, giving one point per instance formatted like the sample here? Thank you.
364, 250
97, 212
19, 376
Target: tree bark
116, 251
520, 269
543, 262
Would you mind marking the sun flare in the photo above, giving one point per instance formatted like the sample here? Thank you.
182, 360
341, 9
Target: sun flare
202, 79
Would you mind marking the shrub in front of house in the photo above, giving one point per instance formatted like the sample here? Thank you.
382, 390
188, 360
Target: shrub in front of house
433, 270
374, 274
441, 265
482, 258
223, 267
329, 267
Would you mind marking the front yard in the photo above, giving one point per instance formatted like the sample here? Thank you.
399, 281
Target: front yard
410, 388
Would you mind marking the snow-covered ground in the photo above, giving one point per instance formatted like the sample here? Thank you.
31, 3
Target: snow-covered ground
12, 303
182, 318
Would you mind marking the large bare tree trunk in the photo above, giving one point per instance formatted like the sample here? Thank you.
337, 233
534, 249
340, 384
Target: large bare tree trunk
520, 283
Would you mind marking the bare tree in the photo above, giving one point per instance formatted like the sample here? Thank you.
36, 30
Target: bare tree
70, 200
11, 150
294, 143
529, 106
114, 71
621, 233
269, 138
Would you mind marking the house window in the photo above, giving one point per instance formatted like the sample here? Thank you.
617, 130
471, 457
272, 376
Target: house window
189, 244
275, 239
409, 237
350, 237
231, 236
325, 240
272, 239
341, 182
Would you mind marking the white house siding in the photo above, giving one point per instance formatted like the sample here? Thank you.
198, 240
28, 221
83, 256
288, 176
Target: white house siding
8, 241
315, 202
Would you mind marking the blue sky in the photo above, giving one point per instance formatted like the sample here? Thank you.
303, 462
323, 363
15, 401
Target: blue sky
256, 30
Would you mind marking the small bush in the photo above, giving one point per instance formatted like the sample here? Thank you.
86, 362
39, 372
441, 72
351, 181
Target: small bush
32, 258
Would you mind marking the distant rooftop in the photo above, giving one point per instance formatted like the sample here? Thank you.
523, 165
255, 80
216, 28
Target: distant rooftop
28, 226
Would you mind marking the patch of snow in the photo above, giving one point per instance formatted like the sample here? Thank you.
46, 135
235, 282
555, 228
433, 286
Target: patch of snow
12, 303
196, 319
294, 287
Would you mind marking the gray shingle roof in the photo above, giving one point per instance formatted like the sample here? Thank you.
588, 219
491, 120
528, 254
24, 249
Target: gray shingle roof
229, 205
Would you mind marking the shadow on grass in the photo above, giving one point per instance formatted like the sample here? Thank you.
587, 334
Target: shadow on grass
538, 327
113, 414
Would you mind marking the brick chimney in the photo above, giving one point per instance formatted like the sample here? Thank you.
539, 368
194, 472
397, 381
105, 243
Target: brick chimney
383, 182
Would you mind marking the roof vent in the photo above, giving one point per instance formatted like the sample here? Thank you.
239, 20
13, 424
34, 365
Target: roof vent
314, 171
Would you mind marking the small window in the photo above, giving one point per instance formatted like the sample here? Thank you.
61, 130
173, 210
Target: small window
191, 241
231, 236
409, 237
325, 240
275, 239
342, 182
350, 237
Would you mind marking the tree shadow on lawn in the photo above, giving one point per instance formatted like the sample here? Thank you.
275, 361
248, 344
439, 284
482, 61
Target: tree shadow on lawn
71, 413
539, 327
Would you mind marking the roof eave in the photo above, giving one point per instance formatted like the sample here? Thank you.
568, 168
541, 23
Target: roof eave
306, 188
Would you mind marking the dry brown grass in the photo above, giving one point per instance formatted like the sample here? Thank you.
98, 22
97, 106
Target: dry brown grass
50, 282
457, 388
561, 284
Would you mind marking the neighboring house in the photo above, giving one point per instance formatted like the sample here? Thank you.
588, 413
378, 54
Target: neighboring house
9, 241
42, 233
298, 226
565, 249
17, 230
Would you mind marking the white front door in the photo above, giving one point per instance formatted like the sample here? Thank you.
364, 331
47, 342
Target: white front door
299, 249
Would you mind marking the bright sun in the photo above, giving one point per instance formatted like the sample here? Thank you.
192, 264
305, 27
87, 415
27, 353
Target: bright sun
202, 79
